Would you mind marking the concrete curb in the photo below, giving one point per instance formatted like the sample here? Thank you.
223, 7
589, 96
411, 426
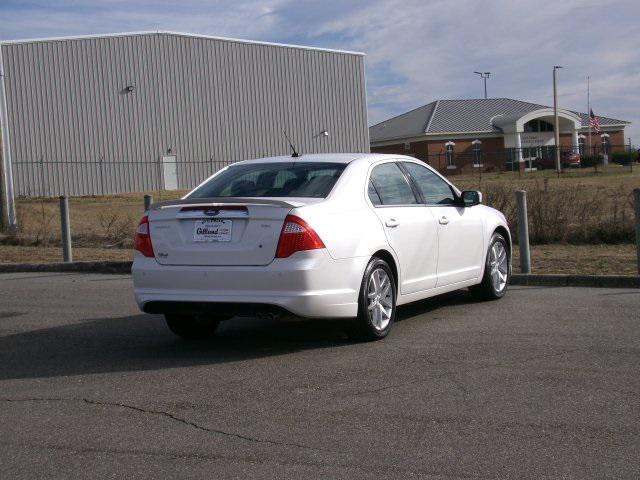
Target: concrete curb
558, 280
548, 280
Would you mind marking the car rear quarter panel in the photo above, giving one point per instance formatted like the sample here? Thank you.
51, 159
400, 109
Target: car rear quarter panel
344, 221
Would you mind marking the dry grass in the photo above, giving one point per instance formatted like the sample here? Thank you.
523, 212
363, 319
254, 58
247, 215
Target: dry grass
578, 207
581, 259
578, 259
23, 254
96, 222
612, 176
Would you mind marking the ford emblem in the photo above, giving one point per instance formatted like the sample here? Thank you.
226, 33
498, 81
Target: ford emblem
211, 212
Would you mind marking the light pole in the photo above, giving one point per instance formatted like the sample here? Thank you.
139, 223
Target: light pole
556, 126
484, 76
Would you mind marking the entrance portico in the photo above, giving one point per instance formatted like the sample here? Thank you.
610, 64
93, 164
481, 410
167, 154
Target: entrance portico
531, 134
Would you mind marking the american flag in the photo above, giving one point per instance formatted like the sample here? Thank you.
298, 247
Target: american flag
594, 122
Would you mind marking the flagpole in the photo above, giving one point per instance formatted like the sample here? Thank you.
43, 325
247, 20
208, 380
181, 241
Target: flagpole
589, 110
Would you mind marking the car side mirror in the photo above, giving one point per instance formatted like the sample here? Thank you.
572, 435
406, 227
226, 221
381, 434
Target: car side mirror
471, 198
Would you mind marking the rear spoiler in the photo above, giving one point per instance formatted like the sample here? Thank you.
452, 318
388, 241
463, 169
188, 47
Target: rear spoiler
222, 201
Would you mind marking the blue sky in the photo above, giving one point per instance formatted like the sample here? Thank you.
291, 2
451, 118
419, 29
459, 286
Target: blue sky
417, 51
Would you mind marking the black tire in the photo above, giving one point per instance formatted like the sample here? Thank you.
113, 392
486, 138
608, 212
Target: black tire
487, 289
369, 325
192, 327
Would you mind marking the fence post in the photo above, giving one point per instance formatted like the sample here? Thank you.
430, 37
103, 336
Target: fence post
42, 177
523, 232
101, 175
148, 200
636, 207
66, 229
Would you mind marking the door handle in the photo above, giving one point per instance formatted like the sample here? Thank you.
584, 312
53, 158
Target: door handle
392, 223
443, 220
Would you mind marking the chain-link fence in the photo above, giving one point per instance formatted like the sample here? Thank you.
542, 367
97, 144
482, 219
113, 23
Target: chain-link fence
49, 178
528, 160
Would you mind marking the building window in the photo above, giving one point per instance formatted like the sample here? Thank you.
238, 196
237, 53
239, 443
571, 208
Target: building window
476, 149
538, 126
606, 144
581, 144
450, 154
545, 126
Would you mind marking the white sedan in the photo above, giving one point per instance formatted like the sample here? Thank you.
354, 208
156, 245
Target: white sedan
325, 236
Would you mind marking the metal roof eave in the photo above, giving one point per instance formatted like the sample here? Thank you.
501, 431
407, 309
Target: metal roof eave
609, 125
434, 134
181, 34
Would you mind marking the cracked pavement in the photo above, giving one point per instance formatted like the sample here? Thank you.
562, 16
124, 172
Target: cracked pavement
542, 384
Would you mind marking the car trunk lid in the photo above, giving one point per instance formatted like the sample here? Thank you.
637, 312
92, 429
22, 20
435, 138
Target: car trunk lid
209, 232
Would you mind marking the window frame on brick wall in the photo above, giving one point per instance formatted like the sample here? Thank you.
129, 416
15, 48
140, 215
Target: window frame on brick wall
581, 144
450, 155
476, 153
605, 143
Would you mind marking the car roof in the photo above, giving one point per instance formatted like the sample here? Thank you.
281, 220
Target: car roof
324, 157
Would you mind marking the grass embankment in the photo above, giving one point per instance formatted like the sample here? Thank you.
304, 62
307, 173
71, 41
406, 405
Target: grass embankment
569, 220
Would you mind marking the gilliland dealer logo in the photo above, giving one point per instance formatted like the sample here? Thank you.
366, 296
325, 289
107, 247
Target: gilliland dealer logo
207, 230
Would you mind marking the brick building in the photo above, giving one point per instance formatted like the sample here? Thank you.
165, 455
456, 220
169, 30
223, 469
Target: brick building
459, 136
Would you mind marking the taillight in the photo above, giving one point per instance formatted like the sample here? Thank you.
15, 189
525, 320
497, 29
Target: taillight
296, 235
142, 242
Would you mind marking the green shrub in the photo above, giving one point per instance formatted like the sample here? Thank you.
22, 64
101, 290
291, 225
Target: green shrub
624, 158
591, 160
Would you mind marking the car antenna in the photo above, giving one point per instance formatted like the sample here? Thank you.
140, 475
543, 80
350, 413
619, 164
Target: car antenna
293, 149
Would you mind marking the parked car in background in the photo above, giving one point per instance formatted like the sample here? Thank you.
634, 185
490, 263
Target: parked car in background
568, 159
328, 236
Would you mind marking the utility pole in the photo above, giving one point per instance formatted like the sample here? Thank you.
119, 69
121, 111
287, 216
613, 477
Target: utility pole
7, 206
589, 110
4, 217
556, 126
484, 76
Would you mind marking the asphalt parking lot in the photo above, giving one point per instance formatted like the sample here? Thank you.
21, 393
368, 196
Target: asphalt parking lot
544, 383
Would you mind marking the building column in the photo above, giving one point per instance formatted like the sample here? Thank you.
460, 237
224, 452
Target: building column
519, 146
575, 142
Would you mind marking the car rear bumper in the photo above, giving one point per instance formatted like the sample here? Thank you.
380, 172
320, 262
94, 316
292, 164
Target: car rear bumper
308, 284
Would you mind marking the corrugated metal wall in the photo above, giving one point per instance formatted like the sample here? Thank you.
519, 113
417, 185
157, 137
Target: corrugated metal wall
75, 129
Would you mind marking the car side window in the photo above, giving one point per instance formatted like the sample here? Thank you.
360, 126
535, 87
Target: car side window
433, 188
373, 194
391, 186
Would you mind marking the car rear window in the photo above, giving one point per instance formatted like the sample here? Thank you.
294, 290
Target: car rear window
285, 179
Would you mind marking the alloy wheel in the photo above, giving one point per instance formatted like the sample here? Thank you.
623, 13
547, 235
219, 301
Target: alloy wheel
380, 299
499, 265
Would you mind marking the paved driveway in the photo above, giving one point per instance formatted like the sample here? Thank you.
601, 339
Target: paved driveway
545, 382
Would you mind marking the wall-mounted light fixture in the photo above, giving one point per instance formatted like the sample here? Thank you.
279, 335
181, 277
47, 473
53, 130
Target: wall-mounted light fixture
130, 88
323, 133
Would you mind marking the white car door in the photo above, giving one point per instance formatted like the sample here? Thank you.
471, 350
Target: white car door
460, 229
409, 225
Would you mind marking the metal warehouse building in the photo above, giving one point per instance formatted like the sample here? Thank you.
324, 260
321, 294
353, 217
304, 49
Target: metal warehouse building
162, 110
